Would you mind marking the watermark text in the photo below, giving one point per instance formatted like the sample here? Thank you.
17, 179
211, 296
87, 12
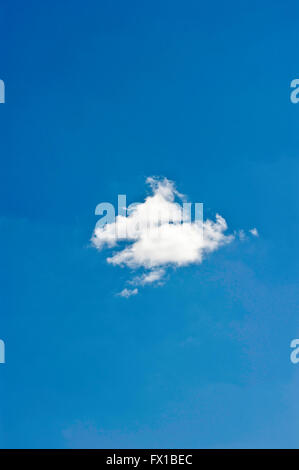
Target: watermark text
295, 92
295, 353
2, 92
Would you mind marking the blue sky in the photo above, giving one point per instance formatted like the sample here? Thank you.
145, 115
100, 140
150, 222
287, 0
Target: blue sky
99, 96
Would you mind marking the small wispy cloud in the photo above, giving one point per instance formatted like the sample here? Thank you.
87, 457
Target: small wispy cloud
242, 235
254, 232
148, 278
128, 292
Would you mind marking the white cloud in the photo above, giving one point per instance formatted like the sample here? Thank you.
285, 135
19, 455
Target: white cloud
148, 278
128, 292
156, 239
254, 232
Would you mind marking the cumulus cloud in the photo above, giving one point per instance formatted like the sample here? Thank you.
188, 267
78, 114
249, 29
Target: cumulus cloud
159, 234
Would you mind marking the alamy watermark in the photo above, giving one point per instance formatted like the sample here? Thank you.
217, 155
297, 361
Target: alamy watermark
294, 97
2, 351
295, 351
138, 218
2, 91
